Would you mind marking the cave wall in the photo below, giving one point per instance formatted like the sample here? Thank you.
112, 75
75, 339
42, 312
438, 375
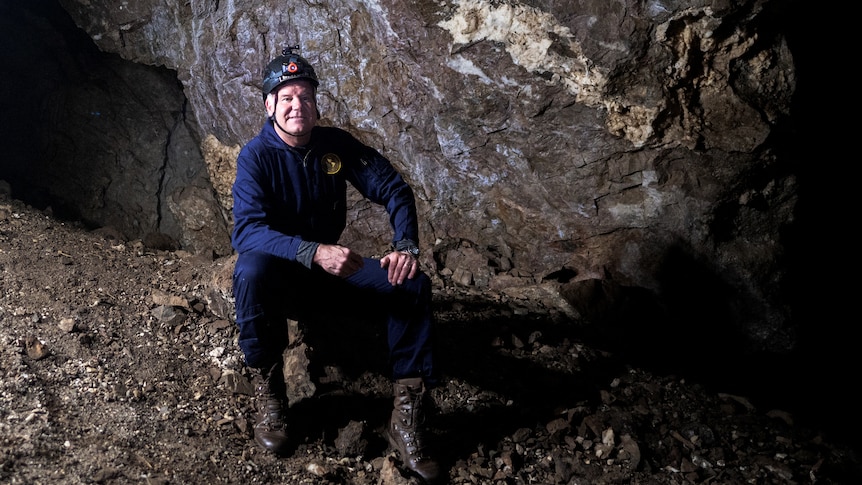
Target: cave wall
621, 154
101, 139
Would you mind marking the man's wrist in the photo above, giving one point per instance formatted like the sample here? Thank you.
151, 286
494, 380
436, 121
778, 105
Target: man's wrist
408, 246
306, 252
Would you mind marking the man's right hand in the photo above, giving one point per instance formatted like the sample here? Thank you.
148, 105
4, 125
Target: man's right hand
337, 260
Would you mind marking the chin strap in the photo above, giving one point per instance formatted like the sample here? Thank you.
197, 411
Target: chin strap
272, 118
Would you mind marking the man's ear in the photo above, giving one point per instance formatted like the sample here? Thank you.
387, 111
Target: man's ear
267, 103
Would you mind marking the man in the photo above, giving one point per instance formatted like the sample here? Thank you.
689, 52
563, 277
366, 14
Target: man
289, 212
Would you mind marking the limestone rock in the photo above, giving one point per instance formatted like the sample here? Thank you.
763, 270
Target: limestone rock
627, 142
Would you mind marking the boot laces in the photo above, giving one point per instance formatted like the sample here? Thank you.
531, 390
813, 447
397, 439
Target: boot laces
271, 406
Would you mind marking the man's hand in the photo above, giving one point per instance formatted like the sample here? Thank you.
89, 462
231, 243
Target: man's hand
338, 260
401, 265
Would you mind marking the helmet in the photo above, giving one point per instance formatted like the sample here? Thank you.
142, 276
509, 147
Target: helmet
289, 65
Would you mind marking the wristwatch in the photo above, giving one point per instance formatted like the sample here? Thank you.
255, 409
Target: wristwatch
412, 251
408, 246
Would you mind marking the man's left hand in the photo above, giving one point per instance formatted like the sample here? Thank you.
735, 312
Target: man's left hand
401, 265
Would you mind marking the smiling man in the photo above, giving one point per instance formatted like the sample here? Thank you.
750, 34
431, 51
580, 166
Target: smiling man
289, 211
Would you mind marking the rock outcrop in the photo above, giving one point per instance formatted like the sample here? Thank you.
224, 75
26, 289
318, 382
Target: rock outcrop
623, 153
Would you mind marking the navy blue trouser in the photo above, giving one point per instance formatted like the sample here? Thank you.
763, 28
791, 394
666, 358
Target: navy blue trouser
268, 289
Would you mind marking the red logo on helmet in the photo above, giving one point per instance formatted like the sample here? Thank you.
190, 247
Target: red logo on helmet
292, 68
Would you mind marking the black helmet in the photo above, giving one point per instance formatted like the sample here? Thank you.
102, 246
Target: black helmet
285, 67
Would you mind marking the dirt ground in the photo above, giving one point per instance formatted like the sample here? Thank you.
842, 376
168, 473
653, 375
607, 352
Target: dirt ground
115, 368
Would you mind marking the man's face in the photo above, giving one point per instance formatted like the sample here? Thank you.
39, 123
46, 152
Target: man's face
294, 108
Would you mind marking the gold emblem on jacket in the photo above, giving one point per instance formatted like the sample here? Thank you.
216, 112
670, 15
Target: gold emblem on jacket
331, 163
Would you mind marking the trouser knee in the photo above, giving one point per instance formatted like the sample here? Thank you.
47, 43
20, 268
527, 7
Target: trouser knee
262, 327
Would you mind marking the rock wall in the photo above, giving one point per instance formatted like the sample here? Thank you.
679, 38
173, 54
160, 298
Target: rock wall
101, 139
621, 153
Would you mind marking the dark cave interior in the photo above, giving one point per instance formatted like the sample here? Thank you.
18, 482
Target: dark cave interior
818, 378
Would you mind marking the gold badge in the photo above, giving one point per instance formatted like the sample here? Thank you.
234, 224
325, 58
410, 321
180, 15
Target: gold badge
331, 163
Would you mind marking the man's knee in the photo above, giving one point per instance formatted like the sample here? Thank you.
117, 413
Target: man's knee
253, 266
420, 285
253, 282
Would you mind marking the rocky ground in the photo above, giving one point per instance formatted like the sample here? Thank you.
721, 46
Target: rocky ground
117, 367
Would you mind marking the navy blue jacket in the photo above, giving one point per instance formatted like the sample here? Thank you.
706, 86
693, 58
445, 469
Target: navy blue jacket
283, 196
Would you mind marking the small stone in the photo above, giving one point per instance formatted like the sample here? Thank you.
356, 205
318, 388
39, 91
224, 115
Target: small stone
630, 450
317, 469
463, 277
237, 384
521, 434
350, 440
557, 425
164, 299
67, 325
517, 342
35, 348
166, 314
687, 466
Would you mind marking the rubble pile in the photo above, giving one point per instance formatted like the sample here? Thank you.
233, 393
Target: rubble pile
114, 368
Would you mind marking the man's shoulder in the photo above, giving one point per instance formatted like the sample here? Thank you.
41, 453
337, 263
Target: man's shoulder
332, 134
263, 141
339, 141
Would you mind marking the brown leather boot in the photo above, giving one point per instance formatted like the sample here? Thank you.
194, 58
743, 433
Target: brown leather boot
270, 432
405, 431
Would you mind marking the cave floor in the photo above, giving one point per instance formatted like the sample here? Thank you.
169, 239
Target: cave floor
113, 369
